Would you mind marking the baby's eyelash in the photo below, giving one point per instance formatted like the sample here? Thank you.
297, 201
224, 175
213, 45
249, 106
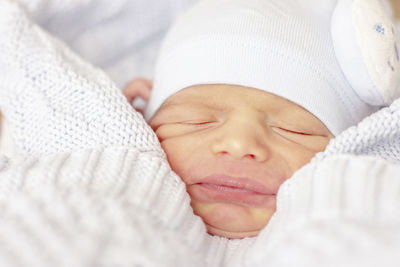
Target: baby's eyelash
294, 131
195, 122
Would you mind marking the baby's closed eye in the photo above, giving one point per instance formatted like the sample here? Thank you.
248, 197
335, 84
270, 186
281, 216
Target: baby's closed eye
308, 138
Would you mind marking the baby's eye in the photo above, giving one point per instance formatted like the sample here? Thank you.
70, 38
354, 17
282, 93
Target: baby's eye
312, 140
296, 132
290, 132
196, 122
177, 128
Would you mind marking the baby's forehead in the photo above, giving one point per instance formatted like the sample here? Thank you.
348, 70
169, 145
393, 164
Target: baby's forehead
220, 96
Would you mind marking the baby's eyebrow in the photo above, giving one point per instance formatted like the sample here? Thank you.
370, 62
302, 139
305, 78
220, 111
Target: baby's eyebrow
181, 109
189, 105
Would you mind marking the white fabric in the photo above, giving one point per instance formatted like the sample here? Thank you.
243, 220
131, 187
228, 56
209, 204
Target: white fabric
122, 36
380, 46
368, 49
349, 55
332, 213
7, 146
94, 187
282, 47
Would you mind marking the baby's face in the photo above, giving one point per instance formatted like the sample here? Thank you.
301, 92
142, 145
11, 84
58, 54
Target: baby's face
233, 147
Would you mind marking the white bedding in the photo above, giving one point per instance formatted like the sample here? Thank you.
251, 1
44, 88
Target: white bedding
6, 143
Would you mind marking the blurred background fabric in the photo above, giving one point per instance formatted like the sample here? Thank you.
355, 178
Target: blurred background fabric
122, 36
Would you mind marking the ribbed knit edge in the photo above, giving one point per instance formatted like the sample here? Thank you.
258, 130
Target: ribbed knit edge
376, 135
66, 207
347, 191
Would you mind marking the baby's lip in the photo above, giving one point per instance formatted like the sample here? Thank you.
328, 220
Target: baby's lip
236, 183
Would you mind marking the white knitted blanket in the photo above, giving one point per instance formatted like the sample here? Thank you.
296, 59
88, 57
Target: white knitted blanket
93, 187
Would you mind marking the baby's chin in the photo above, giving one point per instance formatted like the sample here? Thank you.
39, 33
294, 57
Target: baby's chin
232, 220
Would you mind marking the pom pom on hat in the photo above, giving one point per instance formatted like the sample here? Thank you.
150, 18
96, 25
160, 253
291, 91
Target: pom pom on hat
280, 46
368, 49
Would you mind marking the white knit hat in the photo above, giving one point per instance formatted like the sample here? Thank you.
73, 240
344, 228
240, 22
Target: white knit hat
281, 46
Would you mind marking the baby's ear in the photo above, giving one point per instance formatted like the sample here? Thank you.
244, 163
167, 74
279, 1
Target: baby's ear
367, 47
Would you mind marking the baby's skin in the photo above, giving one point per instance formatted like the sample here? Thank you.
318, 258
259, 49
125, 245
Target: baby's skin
138, 88
233, 147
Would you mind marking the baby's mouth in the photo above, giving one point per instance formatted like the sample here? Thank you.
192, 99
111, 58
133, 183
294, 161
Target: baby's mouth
228, 189
222, 188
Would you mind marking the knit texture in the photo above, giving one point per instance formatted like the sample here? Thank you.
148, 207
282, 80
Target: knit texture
334, 213
94, 208
92, 186
50, 70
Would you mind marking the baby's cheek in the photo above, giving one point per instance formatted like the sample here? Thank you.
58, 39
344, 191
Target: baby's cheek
296, 159
176, 159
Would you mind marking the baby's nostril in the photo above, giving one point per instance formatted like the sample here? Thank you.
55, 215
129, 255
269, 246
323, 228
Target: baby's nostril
252, 156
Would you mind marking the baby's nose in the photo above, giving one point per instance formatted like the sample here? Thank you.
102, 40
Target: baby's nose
242, 141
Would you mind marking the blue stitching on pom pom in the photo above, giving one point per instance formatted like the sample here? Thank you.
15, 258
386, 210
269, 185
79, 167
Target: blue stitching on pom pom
379, 28
390, 65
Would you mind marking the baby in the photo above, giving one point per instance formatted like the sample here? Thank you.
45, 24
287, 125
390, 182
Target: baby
246, 92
